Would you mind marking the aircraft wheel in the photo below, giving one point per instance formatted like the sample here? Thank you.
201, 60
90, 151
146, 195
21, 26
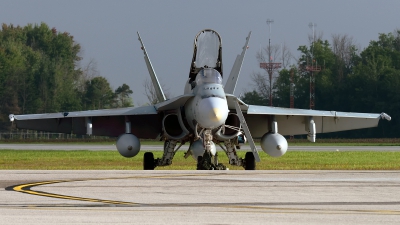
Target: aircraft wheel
250, 161
148, 161
200, 163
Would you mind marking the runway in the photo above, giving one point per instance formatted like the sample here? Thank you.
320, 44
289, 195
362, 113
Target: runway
199, 197
145, 147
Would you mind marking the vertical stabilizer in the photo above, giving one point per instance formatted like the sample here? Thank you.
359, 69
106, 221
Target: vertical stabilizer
153, 76
234, 75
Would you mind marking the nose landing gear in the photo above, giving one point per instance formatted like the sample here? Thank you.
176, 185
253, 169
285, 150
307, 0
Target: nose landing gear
209, 162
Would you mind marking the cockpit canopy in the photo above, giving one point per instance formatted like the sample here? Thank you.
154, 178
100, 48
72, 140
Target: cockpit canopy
207, 53
208, 43
208, 76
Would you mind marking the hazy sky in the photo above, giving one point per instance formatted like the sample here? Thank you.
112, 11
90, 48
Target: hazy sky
106, 30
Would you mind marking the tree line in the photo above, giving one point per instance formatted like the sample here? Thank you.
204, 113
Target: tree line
350, 80
40, 72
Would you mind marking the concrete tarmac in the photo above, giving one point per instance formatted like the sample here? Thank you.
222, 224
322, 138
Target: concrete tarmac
108, 147
199, 197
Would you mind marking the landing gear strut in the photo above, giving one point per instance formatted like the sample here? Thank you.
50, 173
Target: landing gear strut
149, 163
249, 161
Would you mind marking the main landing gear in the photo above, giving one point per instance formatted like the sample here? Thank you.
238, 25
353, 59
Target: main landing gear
148, 161
207, 157
205, 162
249, 161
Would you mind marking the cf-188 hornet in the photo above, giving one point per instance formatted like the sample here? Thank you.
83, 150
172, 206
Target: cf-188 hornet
206, 115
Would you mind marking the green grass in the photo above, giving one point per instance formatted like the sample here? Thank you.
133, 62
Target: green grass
187, 144
111, 160
293, 142
341, 144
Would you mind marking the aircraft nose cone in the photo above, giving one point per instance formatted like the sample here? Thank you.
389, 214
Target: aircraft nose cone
216, 114
212, 112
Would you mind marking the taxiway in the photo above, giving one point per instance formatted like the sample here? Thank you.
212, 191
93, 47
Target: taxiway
199, 197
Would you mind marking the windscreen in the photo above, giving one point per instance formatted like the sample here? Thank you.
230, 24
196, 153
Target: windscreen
208, 76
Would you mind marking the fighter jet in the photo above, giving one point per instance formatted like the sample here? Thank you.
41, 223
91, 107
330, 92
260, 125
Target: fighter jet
206, 115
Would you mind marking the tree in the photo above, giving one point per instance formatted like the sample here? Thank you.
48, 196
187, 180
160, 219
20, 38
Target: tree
122, 96
345, 50
261, 80
151, 94
42, 67
99, 94
261, 84
350, 80
86, 73
254, 98
376, 80
320, 54
282, 89
286, 56
40, 73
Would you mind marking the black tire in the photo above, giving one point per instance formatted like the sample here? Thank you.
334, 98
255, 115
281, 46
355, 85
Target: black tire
199, 163
148, 161
250, 161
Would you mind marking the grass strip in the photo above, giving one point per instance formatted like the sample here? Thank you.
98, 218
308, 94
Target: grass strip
292, 142
111, 160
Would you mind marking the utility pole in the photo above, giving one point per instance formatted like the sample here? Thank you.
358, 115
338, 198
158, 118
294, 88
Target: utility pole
270, 66
313, 68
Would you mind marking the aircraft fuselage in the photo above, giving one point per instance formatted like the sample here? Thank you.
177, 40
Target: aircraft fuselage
209, 106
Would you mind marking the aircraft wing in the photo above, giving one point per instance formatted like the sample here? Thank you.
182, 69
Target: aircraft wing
145, 120
295, 121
